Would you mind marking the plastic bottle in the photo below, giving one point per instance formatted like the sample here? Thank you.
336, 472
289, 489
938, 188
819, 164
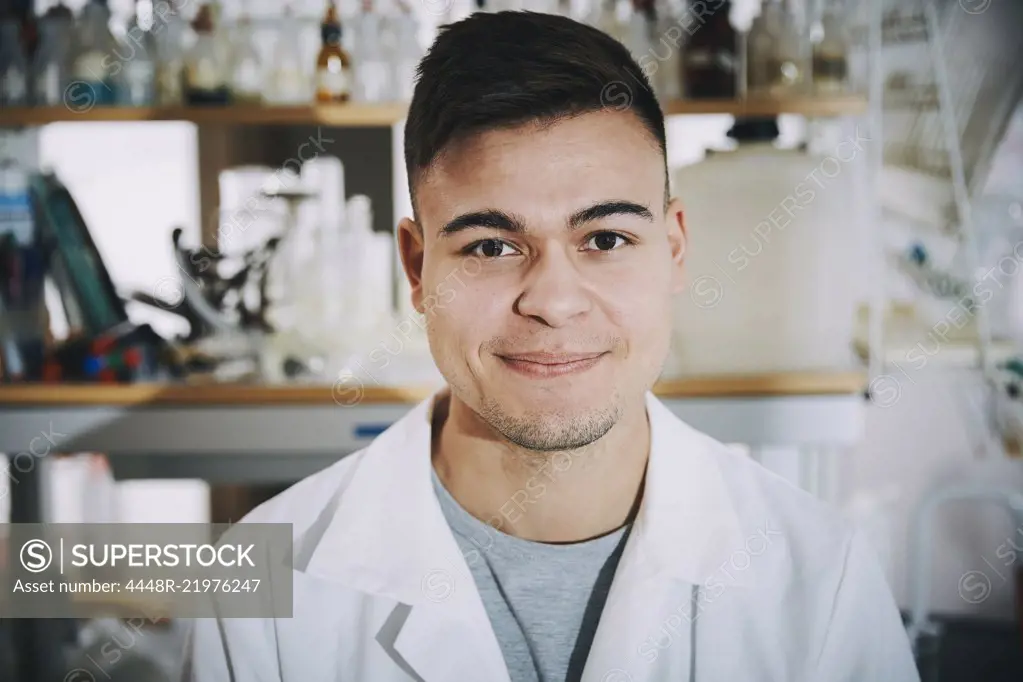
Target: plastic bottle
772, 257
13, 66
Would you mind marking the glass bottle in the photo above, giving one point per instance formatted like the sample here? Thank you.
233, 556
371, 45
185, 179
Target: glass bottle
407, 54
710, 58
205, 77
137, 87
50, 66
777, 63
333, 65
760, 45
289, 82
372, 67
170, 57
831, 50
13, 66
248, 75
95, 63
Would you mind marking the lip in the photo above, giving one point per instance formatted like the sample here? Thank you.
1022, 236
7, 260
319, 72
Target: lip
547, 364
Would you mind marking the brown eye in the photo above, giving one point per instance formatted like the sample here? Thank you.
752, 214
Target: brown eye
489, 248
607, 241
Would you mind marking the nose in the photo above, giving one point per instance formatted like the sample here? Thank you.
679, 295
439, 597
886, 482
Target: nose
554, 291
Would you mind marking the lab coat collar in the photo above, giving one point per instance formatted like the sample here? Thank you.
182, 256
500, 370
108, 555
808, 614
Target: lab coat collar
387, 534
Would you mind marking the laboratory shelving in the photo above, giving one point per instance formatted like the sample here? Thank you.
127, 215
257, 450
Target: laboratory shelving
362, 115
760, 384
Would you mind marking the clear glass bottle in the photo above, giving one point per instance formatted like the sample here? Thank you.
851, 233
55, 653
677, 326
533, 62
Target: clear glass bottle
372, 66
13, 66
248, 74
333, 65
830, 42
95, 63
407, 54
760, 46
169, 32
137, 83
50, 65
205, 71
783, 57
289, 78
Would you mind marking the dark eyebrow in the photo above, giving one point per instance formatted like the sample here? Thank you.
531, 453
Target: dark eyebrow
499, 220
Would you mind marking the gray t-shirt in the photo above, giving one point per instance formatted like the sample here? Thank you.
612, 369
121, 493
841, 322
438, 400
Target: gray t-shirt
544, 600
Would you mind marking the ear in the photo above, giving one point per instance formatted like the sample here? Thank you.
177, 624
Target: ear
677, 240
412, 248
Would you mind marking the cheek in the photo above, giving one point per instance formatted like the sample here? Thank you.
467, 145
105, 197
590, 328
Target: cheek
639, 301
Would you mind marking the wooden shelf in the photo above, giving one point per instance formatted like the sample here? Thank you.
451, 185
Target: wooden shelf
839, 105
772, 384
339, 115
374, 115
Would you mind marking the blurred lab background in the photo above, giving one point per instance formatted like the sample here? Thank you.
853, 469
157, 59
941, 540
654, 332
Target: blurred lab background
201, 301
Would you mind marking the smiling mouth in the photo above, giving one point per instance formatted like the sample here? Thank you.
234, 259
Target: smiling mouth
545, 365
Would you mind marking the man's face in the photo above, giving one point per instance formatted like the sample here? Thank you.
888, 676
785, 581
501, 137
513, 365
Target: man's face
546, 270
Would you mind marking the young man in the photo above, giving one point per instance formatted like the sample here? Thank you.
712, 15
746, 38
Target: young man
545, 517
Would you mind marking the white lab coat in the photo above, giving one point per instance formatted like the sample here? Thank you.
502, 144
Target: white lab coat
730, 573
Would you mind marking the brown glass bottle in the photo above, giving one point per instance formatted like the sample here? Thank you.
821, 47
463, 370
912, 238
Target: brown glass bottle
710, 57
333, 65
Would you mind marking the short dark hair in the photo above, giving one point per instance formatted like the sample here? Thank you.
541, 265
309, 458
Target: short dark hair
504, 69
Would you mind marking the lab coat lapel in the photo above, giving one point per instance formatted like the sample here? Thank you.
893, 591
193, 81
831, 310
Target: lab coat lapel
686, 528
387, 536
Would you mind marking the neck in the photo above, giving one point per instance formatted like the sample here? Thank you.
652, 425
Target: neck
566, 496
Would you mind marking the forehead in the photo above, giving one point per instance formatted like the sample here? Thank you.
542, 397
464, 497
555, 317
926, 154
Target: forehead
536, 170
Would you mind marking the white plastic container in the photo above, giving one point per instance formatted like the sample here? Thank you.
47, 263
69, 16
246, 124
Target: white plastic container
773, 259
